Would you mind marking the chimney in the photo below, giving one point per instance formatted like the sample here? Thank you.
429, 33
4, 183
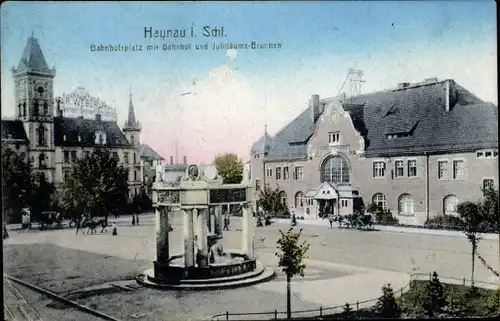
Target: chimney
184, 160
429, 81
403, 85
171, 160
314, 104
98, 117
447, 97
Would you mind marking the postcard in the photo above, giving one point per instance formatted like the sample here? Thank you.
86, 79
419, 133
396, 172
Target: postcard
249, 160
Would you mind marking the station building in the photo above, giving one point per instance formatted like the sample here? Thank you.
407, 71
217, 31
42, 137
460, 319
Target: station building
418, 149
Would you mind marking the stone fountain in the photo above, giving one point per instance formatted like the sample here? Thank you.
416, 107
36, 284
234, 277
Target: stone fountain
204, 264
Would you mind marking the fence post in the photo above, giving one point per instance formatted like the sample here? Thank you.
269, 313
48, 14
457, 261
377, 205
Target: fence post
464, 280
275, 314
320, 311
357, 305
401, 290
227, 315
430, 277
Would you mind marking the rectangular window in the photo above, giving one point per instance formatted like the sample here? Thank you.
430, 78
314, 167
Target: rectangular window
488, 154
135, 158
299, 173
412, 168
495, 153
125, 158
66, 157
278, 173
333, 137
442, 169
85, 154
399, 168
73, 156
343, 203
378, 169
479, 154
487, 184
257, 184
458, 169
135, 175
269, 172
286, 174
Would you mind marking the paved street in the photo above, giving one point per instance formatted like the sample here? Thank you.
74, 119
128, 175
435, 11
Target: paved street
343, 266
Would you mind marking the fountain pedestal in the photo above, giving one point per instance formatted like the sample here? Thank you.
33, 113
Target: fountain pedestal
204, 264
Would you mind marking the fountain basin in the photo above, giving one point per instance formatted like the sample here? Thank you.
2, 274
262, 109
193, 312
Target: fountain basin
215, 276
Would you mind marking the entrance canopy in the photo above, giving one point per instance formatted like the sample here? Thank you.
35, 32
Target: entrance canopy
330, 191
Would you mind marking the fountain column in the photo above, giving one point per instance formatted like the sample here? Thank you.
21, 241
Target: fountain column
218, 224
188, 238
162, 246
245, 235
202, 237
211, 221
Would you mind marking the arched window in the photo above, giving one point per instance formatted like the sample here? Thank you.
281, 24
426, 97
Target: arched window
335, 169
283, 198
405, 204
101, 139
299, 200
41, 160
450, 203
35, 108
380, 200
45, 108
41, 135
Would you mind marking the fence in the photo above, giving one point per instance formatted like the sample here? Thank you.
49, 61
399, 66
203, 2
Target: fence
311, 313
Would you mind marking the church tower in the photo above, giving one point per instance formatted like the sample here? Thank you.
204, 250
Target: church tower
34, 101
132, 128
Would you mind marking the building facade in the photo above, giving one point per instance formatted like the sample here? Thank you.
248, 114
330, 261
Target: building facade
52, 141
417, 150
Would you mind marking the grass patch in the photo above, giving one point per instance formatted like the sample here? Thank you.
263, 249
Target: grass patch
460, 301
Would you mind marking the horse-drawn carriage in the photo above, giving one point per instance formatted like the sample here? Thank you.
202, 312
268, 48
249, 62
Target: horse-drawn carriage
359, 221
49, 219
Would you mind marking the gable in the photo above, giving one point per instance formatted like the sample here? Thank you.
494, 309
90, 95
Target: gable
13, 130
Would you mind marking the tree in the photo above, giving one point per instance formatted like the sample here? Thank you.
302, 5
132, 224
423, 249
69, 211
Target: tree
387, 306
269, 200
436, 300
489, 208
230, 167
16, 185
472, 217
291, 260
43, 194
98, 184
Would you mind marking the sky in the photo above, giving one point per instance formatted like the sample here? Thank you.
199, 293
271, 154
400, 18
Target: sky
235, 93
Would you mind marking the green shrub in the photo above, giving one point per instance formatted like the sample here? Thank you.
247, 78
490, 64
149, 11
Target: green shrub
387, 307
385, 217
448, 222
491, 305
435, 300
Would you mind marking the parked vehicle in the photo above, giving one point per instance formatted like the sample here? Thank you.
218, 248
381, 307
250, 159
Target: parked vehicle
50, 218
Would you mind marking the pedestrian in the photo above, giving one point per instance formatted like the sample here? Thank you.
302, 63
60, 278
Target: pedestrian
133, 219
137, 219
330, 218
115, 230
5, 232
78, 223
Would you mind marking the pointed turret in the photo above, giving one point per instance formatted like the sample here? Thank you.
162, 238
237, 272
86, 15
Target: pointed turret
263, 145
33, 60
132, 128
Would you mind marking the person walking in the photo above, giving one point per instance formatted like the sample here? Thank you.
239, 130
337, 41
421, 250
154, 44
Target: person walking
78, 224
115, 230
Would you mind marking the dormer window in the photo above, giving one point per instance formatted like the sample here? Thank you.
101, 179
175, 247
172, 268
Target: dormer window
100, 138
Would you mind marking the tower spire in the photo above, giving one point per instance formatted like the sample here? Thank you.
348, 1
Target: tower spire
131, 113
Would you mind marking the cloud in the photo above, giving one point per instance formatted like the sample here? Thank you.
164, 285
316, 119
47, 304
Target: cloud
232, 53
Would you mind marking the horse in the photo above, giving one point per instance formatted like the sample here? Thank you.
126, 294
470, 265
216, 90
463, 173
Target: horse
92, 224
